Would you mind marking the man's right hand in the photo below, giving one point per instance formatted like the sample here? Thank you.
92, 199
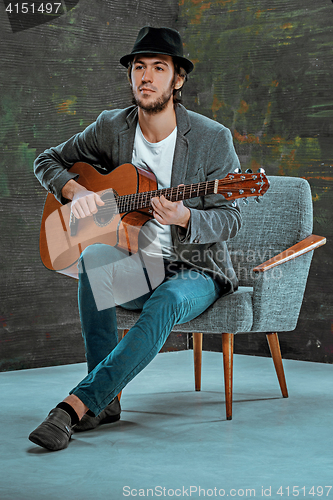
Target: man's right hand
84, 202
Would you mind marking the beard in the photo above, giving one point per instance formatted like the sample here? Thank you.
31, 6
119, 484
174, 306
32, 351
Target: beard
156, 106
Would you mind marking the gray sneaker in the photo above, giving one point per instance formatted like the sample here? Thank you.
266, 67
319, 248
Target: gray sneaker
110, 414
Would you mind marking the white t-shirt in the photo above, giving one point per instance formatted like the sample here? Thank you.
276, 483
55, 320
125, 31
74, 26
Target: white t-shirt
157, 157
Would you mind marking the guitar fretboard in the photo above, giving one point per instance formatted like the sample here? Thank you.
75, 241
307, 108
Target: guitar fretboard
131, 202
233, 186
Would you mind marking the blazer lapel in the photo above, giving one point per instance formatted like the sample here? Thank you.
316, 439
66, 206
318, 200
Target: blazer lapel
126, 138
180, 160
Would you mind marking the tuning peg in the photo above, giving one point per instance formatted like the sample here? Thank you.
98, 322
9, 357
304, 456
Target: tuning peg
245, 201
238, 171
258, 200
261, 170
248, 171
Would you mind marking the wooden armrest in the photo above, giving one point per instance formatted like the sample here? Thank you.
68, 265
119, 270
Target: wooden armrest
304, 246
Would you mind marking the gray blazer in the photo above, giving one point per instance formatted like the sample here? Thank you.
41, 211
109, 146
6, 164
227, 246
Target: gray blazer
204, 151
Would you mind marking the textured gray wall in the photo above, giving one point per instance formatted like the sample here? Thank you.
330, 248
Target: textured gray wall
56, 78
261, 68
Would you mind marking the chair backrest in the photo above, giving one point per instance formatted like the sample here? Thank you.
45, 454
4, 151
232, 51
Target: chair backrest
282, 219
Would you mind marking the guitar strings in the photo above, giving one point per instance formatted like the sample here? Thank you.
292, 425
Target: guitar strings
134, 201
142, 200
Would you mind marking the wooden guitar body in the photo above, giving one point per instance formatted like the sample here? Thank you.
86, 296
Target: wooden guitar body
60, 248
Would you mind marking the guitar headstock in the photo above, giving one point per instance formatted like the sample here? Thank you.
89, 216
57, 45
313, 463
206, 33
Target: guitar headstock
238, 185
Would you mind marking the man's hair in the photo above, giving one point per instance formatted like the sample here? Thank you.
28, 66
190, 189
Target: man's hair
179, 70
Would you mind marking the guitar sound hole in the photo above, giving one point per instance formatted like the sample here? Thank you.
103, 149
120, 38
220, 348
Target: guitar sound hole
107, 212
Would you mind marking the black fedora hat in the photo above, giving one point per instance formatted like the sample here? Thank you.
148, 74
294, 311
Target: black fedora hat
165, 41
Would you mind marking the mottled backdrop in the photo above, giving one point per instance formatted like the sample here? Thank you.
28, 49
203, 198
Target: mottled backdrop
262, 68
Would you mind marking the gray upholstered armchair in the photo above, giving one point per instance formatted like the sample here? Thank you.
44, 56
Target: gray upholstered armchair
271, 256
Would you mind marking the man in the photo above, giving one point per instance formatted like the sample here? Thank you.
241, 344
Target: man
180, 147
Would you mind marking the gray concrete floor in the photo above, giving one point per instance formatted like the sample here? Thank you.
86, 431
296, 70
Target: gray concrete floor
175, 438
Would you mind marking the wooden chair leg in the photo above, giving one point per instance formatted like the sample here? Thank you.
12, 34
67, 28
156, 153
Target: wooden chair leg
274, 345
197, 354
228, 356
122, 336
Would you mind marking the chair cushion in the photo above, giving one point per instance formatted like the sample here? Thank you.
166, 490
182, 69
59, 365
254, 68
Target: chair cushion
230, 314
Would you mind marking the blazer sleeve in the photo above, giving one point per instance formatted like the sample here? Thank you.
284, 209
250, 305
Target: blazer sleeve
220, 219
51, 166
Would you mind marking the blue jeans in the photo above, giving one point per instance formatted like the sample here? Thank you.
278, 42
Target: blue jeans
182, 295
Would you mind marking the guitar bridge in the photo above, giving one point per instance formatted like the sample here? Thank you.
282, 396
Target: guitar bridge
73, 224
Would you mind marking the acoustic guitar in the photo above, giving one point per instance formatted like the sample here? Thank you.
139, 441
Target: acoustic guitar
127, 192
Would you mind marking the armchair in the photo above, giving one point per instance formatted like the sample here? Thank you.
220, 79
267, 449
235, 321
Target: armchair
271, 255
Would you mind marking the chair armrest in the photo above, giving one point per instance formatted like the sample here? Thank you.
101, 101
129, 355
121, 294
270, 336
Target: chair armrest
302, 247
278, 295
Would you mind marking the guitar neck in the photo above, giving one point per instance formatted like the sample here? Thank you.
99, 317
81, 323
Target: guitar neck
137, 201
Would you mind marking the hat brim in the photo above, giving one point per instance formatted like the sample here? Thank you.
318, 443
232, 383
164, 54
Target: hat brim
184, 63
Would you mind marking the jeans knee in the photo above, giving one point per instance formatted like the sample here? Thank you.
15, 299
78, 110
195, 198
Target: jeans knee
97, 255
170, 296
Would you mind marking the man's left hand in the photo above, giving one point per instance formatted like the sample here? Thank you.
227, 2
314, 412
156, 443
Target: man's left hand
170, 212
